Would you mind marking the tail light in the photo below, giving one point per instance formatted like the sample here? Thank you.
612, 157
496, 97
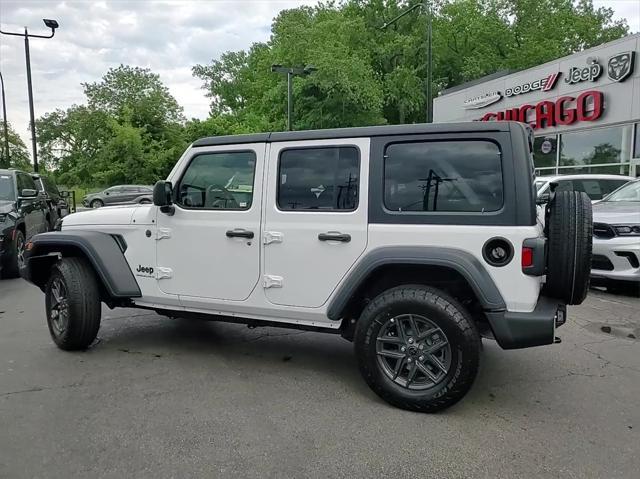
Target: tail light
527, 257
534, 256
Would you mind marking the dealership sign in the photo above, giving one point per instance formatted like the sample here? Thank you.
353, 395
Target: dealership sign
566, 110
481, 101
543, 84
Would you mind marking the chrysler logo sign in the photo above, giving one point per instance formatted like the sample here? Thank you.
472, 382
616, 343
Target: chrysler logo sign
544, 84
483, 100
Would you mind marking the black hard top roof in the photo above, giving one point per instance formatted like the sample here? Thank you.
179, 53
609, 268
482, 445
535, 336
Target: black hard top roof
359, 132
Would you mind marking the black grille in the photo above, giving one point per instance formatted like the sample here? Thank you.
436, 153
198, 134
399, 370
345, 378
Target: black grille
603, 230
601, 262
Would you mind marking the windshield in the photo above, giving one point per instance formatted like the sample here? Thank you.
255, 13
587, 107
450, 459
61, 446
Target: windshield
539, 185
628, 192
6, 188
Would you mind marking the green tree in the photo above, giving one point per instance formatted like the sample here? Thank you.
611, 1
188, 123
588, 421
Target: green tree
18, 153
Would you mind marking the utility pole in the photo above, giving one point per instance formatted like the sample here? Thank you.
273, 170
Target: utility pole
7, 153
292, 72
53, 25
426, 6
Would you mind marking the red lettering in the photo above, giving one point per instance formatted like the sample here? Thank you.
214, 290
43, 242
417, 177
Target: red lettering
582, 102
544, 114
500, 116
524, 112
565, 116
512, 114
488, 117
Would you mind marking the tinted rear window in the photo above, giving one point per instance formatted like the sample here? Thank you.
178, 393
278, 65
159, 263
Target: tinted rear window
443, 176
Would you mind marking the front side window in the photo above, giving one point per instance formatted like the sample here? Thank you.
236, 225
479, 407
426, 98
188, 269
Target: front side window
324, 179
221, 181
461, 176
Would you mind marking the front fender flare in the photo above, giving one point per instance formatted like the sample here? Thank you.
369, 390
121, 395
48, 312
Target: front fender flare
101, 249
461, 261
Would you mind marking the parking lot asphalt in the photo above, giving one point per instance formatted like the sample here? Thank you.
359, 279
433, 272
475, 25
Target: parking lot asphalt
158, 397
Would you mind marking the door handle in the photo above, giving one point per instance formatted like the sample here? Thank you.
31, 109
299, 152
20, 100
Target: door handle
239, 233
335, 236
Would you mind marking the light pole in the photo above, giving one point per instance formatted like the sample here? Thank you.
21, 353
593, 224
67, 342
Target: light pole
7, 157
426, 6
291, 72
52, 24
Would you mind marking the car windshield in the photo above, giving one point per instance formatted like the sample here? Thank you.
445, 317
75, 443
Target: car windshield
628, 192
539, 184
6, 188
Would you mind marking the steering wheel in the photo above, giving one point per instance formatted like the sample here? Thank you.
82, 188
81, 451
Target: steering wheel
219, 197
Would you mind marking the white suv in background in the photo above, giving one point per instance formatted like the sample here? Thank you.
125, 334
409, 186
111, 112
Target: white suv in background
595, 186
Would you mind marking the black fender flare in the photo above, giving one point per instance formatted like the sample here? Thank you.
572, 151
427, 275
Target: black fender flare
461, 261
102, 250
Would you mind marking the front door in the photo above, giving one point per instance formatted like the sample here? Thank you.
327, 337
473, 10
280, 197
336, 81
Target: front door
210, 247
315, 218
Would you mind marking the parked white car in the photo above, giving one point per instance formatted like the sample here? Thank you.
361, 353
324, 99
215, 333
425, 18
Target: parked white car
595, 186
616, 235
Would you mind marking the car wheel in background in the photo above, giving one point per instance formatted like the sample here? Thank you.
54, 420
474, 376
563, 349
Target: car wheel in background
96, 204
16, 256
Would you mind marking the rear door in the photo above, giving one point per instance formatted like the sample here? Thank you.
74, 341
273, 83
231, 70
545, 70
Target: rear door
315, 218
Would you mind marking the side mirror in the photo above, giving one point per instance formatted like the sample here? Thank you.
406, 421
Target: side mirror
163, 196
106, 193
543, 198
28, 193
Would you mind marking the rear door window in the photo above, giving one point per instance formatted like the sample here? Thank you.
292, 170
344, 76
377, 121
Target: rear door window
322, 179
6, 188
463, 176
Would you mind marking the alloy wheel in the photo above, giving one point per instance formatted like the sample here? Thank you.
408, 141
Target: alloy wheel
59, 306
413, 351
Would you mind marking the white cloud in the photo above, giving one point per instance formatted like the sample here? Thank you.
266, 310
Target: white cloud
167, 36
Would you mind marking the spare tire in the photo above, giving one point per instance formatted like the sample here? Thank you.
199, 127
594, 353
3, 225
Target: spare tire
570, 239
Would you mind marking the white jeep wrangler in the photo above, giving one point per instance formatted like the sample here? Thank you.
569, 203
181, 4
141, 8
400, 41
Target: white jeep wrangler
413, 241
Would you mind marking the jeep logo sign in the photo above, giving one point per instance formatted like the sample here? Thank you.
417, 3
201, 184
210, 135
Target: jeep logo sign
588, 73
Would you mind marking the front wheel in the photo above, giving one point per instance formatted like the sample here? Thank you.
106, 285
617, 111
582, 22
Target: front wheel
417, 348
72, 302
96, 204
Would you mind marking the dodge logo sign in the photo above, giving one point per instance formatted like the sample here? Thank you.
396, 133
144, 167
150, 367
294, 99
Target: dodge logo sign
620, 66
544, 84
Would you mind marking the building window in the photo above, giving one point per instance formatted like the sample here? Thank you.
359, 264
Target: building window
599, 146
319, 179
545, 151
622, 169
443, 176
636, 148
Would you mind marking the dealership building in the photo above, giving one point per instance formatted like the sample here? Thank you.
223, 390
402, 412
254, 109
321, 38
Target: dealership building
584, 108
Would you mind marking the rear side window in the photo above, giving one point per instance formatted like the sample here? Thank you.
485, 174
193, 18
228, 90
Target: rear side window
324, 179
6, 188
25, 182
463, 176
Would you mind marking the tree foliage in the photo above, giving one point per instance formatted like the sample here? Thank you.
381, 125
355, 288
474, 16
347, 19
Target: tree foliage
18, 153
132, 130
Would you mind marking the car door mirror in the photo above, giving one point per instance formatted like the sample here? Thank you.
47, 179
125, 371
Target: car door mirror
543, 198
28, 193
163, 196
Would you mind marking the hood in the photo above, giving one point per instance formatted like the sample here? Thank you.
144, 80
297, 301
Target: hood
617, 212
6, 206
109, 215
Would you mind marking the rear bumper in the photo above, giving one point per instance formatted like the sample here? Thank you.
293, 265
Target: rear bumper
525, 330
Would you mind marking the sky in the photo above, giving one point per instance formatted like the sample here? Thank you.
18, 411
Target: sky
167, 36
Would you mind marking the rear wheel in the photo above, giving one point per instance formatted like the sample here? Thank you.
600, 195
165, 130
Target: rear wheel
570, 234
417, 348
96, 204
72, 302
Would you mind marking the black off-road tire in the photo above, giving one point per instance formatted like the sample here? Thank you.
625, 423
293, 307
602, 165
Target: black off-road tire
570, 240
12, 263
84, 306
447, 314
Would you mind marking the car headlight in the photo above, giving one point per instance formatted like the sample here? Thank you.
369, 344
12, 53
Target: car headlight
627, 230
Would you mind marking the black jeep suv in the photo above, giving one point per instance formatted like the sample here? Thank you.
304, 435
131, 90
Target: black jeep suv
23, 213
57, 205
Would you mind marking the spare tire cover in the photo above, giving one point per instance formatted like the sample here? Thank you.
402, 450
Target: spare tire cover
570, 240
